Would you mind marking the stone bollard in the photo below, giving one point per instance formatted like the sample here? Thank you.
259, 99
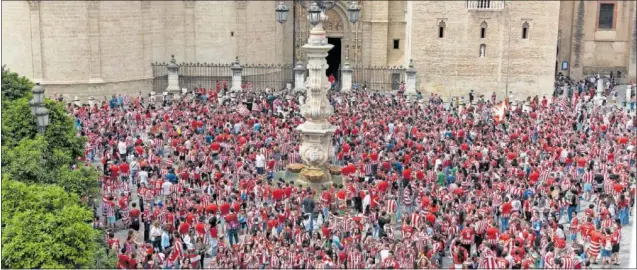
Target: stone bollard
299, 77
77, 102
411, 80
236, 76
346, 81
173, 77
91, 101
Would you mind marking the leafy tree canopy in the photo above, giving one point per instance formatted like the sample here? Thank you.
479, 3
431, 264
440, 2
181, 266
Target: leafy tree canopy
45, 227
15, 86
18, 123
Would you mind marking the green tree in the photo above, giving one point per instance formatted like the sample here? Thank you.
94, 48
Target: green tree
27, 161
18, 123
14, 86
45, 227
81, 181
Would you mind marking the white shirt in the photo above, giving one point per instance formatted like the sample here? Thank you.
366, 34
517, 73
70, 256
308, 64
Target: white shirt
166, 187
143, 177
155, 232
121, 146
260, 161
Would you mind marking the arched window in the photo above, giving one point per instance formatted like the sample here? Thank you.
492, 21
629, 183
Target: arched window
483, 50
441, 29
525, 30
483, 30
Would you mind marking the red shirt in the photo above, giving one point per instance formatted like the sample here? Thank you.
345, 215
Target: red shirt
492, 233
200, 228
225, 208
211, 208
277, 194
231, 218
184, 228
135, 212
124, 168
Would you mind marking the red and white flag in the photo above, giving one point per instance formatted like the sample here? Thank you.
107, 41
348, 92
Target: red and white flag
243, 110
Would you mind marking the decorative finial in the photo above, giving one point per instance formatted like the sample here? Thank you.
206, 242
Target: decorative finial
172, 59
411, 63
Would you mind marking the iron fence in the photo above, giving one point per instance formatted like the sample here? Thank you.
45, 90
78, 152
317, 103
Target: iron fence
206, 75
379, 78
274, 76
259, 76
192, 75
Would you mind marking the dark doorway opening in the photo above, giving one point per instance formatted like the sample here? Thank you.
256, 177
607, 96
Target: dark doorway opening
334, 58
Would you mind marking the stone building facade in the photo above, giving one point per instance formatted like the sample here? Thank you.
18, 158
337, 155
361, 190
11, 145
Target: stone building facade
597, 37
97, 48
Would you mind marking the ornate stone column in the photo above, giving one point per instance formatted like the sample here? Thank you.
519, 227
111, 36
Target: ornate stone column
317, 132
346, 85
410, 88
173, 78
36, 41
299, 77
236, 76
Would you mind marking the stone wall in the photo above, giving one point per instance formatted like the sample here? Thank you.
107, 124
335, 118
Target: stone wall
452, 65
73, 46
597, 50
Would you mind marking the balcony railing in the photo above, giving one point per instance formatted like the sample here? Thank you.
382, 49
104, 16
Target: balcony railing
485, 5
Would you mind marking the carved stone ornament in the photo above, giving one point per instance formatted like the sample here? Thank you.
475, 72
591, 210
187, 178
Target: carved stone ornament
314, 155
333, 25
189, 3
34, 5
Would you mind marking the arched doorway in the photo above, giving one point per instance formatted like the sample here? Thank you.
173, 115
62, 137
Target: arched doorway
339, 32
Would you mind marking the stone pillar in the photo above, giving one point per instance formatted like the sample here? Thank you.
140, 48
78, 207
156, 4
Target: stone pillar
316, 143
173, 77
632, 67
599, 98
91, 101
36, 41
411, 80
236, 76
346, 81
299, 77
76, 101
94, 40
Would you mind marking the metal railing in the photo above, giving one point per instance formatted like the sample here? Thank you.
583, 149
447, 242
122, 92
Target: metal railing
207, 75
376, 78
259, 76
485, 5
192, 75
273, 76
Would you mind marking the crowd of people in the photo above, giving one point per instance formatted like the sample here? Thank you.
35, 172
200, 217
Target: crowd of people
197, 182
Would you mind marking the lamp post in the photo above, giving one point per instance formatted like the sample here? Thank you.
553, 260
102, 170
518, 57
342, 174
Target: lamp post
317, 132
38, 110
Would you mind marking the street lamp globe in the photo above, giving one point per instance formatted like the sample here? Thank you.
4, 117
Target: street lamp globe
38, 93
42, 115
33, 104
353, 12
314, 16
282, 13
